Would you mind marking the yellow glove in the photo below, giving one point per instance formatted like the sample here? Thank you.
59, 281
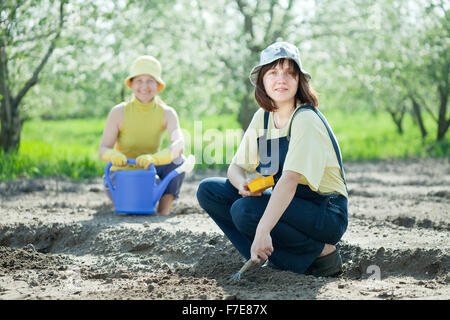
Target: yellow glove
162, 157
144, 160
117, 158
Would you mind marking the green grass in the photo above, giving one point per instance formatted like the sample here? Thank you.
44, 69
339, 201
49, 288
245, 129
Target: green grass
50, 148
69, 148
367, 136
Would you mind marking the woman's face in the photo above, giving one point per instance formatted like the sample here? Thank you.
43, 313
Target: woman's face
281, 83
144, 87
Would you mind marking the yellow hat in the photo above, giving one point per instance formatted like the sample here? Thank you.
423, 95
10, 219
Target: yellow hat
146, 65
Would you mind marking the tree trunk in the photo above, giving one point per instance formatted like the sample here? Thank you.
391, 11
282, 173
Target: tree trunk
248, 108
11, 128
9, 115
418, 115
443, 123
122, 93
11, 124
248, 102
272, 32
397, 117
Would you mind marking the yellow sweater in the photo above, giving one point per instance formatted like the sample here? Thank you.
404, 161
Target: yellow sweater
142, 130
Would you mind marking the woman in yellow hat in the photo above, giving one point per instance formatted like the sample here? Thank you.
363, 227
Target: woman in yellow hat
134, 130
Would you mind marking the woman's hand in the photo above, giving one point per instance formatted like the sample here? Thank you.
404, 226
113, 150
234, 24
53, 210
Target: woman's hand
262, 247
239, 180
117, 158
144, 160
245, 192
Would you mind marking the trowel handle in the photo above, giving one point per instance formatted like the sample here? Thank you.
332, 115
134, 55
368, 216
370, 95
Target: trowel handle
247, 265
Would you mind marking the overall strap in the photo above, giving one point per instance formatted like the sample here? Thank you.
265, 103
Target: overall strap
330, 133
295, 113
266, 120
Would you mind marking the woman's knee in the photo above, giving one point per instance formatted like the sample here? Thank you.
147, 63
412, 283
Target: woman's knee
244, 215
205, 187
336, 236
211, 191
340, 233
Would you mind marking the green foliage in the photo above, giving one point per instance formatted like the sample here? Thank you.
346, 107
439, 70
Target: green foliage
367, 136
50, 148
15, 166
364, 53
398, 54
373, 56
69, 147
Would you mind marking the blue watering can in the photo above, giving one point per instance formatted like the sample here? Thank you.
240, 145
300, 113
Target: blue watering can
136, 191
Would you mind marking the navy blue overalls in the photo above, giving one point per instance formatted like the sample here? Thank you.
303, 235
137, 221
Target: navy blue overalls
310, 220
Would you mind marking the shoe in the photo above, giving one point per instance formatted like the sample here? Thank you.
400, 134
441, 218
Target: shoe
326, 266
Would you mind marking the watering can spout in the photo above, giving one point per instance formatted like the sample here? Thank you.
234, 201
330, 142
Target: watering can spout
187, 167
163, 185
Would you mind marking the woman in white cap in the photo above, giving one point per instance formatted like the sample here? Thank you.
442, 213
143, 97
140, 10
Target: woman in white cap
134, 130
296, 225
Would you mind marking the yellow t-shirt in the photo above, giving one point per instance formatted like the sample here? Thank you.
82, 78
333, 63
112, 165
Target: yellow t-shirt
310, 152
141, 131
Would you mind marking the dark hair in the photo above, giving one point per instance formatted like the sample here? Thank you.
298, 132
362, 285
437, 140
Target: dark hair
305, 93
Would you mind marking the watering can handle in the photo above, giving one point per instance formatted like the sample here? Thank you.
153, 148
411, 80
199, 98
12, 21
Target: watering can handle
108, 178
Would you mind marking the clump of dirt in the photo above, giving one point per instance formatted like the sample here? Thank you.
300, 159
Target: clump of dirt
28, 258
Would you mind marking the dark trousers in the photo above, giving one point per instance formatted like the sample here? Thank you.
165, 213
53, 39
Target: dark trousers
297, 237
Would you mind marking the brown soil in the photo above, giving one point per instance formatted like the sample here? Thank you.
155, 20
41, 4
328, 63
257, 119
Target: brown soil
61, 239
